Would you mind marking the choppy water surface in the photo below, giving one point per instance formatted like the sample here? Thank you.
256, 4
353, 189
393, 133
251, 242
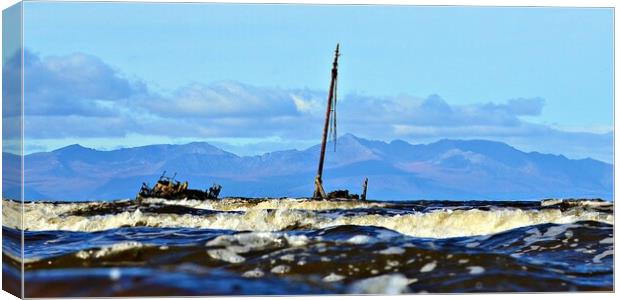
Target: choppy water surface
299, 246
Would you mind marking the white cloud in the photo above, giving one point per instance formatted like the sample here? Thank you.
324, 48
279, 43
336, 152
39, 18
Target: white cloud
307, 106
80, 96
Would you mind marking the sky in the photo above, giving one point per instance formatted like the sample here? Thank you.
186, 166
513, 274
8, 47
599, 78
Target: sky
253, 78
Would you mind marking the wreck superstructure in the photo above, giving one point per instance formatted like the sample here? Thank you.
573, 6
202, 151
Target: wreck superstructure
171, 189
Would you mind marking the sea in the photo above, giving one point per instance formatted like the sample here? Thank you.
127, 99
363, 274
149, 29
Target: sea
288, 246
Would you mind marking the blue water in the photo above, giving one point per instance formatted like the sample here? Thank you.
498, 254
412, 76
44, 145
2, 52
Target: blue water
312, 259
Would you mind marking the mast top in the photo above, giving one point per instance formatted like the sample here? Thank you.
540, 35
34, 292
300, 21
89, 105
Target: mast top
336, 55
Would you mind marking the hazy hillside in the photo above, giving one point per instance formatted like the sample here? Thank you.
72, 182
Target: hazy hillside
447, 169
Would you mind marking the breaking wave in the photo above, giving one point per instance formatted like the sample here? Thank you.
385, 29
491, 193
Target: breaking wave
288, 214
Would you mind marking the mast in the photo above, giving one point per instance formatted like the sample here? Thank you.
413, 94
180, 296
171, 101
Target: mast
319, 192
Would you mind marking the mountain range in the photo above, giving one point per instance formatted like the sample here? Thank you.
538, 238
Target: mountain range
446, 169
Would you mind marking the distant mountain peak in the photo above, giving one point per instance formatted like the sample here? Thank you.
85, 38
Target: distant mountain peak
398, 141
202, 148
348, 137
73, 147
475, 144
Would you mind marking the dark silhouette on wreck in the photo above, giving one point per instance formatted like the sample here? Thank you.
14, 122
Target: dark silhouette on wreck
171, 189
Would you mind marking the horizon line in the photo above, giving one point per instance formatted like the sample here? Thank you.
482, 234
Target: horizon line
314, 145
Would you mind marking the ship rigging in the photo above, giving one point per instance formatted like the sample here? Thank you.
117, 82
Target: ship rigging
330, 129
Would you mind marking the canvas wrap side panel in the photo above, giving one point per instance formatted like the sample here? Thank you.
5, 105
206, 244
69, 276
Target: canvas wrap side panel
12, 149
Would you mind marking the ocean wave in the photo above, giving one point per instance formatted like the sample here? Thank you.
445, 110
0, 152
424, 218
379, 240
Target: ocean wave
284, 214
353, 259
241, 204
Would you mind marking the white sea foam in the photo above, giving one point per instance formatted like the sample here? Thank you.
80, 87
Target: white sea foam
385, 284
280, 269
578, 202
267, 216
475, 270
226, 255
234, 204
256, 273
108, 250
360, 239
597, 259
428, 267
392, 250
332, 277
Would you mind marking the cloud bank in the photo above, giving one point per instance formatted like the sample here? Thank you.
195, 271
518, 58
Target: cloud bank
80, 96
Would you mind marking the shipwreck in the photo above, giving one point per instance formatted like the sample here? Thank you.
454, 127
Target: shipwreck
172, 189
329, 128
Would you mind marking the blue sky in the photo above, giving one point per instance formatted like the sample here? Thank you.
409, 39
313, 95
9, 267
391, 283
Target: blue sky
252, 78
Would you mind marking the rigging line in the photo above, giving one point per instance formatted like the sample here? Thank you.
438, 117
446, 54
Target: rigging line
332, 121
335, 137
332, 133
331, 125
